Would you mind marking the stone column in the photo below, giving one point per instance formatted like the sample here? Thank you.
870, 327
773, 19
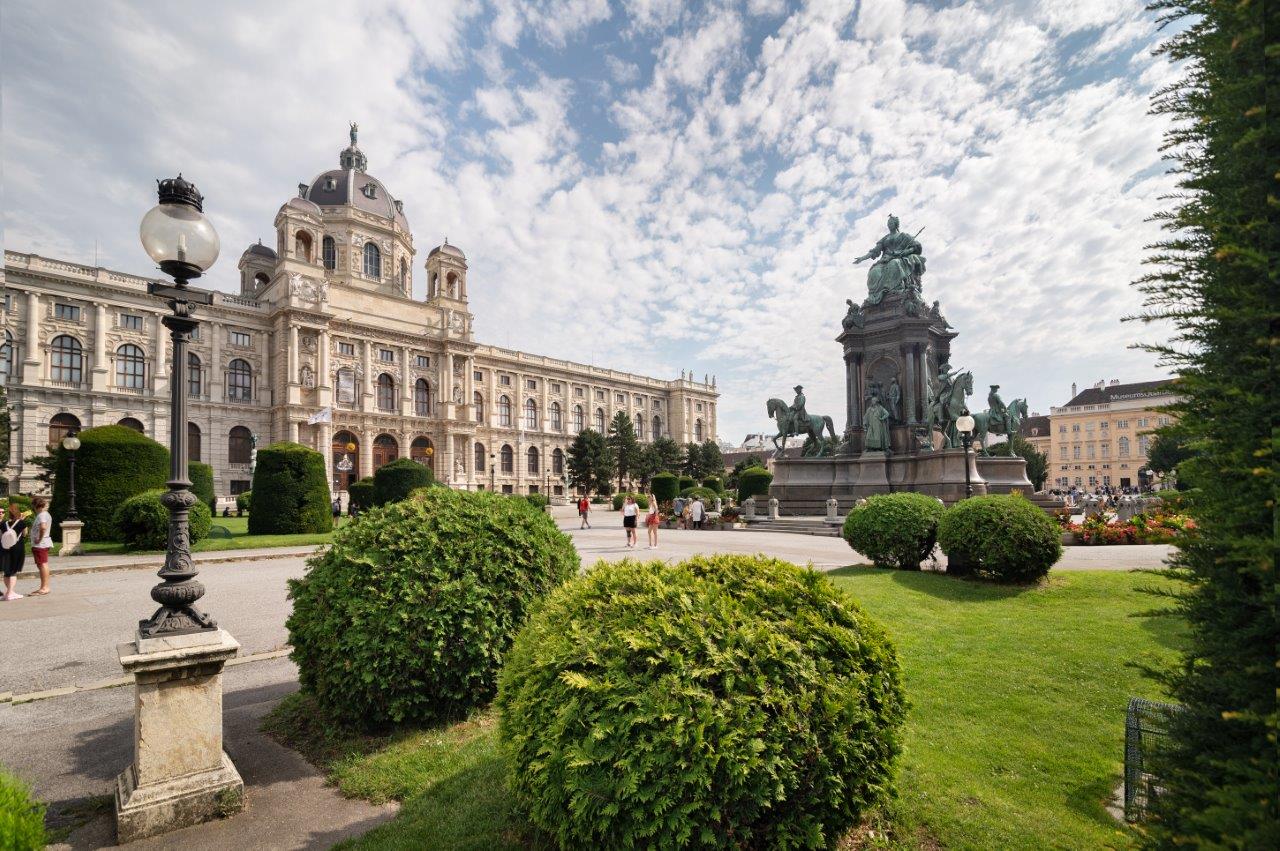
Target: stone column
406, 385
98, 375
850, 392
857, 391
32, 361
293, 356
366, 452
326, 449
911, 415
366, 390
216, 368
324, 385
293, 431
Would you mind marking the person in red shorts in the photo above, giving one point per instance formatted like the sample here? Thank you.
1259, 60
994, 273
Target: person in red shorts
41, 542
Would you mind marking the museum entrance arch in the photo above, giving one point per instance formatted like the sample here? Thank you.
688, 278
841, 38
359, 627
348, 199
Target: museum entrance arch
346, 460
422, 451
385, 450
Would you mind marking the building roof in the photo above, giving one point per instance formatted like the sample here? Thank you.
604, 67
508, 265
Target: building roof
1034, 427
446, 248
349, 185
1121, 392
261, 250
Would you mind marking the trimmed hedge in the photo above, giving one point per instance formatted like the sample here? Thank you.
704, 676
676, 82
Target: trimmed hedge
201, 476
687, 482
112, 464
665, 486
753, 481
727, 701
408, 616
397, 479
244, 501
1002, 537
291, 492
894, 529
21, 816
537, 500
143, 521
713, 483
360, 493
642, 500
708, 495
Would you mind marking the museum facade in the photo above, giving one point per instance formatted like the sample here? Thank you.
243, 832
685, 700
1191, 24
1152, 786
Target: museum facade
324, 345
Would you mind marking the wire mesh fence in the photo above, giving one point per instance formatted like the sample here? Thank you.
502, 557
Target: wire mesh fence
1145, 727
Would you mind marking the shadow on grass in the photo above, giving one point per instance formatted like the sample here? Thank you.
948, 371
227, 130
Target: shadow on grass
1090, 800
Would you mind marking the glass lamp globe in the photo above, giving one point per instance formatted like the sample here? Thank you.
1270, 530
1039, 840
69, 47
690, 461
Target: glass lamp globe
964, 423
71, 443
175, 232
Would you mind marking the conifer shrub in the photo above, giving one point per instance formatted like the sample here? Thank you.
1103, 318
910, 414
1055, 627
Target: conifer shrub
112, 464
21, 817
408, 616
713, 483
290, 492
687, 482
537, 500
665, 486
894, 529
143, 521
395, 480
201, 477
708, 496
1001, 536
726, 701
753, 481
361, 493
244, 501
641, 499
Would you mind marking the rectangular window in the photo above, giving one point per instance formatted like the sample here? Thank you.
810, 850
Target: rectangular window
1142, 423
8, 303
195, 333
422, 361
600, 395
1062, 452
1091, 451
504, 380
1106, 450
348, 349
1075, 428
241, 338
1062, 428
578, 392
477, 375
69, 312
555, 388
129, 322
386, 355
530, 384
1122, 423
239, 486
1088, 426
1075, 452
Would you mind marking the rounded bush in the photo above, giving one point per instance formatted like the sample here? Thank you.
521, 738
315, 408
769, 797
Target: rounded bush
201, 476
408, 616
894, 529
1003, 537
714, 484
395, 480
21, 817
708, 495
753, 481
291, 492
665, 486
244, 500
143, 521
642, 500
112, 464
687, 482
537, 500
361, 493
726, 701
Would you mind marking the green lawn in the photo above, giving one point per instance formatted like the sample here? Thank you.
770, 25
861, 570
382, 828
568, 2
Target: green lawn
227, 533
1014, 738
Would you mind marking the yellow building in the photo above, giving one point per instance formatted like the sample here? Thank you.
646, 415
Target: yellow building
1101, 437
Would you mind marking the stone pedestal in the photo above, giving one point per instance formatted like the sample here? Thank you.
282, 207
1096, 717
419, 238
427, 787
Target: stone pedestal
180, 775
71, 545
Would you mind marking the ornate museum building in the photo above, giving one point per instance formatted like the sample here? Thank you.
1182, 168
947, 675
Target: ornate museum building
324, 345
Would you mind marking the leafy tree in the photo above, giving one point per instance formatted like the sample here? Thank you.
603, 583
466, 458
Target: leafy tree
650, 464
1167, 451
712, 460
1214, 279
624, 446
47, 464
692, 463
731, 482
590, 462
668, 455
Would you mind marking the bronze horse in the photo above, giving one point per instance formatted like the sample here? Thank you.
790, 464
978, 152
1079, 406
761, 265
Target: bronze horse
781, 412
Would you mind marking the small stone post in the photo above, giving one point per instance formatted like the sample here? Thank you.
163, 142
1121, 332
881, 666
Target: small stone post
719, 505
70, 537
773, 508
833, 509
749, 509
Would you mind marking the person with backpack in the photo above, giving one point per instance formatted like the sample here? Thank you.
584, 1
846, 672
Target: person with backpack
584, 509
13, 552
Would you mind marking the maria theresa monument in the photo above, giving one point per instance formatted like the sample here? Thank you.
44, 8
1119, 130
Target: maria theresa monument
325, 344
902, 399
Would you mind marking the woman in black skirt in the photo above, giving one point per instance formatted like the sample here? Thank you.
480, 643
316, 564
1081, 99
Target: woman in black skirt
13, 556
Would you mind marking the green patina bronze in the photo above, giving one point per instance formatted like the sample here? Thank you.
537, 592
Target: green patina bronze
875, 426
997, 419
898, 268
946, 402
794, 420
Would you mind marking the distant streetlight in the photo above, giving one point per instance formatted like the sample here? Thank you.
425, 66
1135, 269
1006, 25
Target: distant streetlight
71, 443
965, 424
493, 472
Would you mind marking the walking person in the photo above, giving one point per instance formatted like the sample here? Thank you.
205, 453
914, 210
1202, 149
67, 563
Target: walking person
651, 521
629, 514
697, 512
584, 509
13, 552
41, 542
677, 512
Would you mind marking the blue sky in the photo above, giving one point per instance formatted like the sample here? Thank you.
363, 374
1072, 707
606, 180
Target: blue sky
650, 185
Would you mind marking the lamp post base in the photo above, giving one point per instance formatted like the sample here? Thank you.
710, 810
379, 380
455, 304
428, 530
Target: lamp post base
180, 775
71, 545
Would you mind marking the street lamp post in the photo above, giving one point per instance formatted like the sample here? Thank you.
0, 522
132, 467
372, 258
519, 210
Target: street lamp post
493, 472
964, 424
71, 443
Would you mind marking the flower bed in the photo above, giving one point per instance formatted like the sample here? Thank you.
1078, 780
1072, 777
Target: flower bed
1157, 528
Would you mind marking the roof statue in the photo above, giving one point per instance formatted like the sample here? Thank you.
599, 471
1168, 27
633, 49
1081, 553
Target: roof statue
355, 128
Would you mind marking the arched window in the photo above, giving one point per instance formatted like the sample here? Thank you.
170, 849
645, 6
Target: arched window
697, 431
422, 398
239, 446
639, 421
329, 252
657, 427
195, 378
452, 282
423, 451
600, 420
533, 460
386, 398
66, 359
6, 358
385, 450
131, 367
302, 245
579, 422
60, 425
557, 462
239, 381
504, 411
477, 402
345, 451
372, 261
530, 414
479, 457
508, 457
404, 274
261, 280
130, 422
557, 421
1124, 447
193, 442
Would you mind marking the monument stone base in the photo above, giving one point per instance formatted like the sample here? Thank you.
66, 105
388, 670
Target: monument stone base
180, 775
71, 545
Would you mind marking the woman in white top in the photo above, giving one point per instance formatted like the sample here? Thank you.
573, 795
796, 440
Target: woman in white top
41, 542
629, 512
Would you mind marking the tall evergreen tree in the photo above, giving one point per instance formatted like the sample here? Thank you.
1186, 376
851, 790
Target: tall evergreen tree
712, 460
624, 446
1214, 278
668, 454
590, 462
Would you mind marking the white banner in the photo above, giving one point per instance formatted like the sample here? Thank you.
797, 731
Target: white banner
324, 415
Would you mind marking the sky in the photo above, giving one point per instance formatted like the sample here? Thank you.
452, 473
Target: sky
649, 185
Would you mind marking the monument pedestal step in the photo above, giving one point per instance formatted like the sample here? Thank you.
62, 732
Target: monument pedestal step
798, 526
